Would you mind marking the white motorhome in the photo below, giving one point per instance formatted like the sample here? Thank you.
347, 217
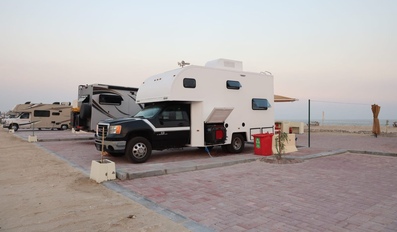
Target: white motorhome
97, 102
218, 104
40, 116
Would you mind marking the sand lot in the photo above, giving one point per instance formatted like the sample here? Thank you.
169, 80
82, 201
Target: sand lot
39, 192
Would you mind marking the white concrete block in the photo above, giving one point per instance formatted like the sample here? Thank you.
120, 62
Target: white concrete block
32, 138
103, 171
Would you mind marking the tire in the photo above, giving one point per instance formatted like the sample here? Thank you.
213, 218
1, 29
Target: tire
138, 150
85, 111
14, 126
237, 144
64, 127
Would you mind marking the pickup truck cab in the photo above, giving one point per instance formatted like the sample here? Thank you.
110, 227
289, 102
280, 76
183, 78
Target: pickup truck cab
157, 127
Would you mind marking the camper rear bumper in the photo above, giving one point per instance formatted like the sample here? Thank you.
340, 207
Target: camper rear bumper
111, 146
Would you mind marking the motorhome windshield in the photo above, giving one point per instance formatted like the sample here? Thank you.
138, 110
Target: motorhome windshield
148, 112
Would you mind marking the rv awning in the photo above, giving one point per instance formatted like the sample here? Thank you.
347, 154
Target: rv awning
279, 98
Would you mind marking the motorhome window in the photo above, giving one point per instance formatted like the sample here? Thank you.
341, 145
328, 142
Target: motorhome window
41, 113
56, 113
110, 99
260, 104
233, 84
189, 83
84, 99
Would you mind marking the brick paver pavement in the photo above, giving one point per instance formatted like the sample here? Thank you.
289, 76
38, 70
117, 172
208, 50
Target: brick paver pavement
349, 192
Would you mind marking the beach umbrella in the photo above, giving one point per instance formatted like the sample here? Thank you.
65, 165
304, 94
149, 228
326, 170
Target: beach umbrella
375, 126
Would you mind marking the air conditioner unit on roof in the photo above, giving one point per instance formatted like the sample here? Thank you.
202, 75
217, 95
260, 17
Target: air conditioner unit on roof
225, 64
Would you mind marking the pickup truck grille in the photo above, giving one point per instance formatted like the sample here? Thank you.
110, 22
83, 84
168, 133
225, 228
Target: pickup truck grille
102, 130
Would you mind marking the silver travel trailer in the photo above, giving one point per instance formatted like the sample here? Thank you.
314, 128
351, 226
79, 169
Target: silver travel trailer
40, 116
218, 104
98, 102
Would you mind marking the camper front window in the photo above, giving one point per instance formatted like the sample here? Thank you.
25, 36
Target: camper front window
233, 84
189, 83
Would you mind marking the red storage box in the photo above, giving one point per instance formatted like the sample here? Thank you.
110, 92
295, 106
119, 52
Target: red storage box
263, 144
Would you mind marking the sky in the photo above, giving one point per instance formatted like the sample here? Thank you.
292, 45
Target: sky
340, 54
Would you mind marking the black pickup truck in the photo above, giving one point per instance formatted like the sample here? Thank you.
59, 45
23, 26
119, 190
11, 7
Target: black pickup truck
158, 126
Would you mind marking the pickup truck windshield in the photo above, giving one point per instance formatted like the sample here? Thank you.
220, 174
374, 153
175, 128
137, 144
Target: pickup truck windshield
148, 112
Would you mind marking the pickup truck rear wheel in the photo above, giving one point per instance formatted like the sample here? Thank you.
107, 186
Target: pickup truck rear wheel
237, 144
138, 150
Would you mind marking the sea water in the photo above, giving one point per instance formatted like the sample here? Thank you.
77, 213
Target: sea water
347, 122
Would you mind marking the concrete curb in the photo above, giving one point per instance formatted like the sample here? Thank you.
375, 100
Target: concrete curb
374, 153
186, 166
318, 155
64, 139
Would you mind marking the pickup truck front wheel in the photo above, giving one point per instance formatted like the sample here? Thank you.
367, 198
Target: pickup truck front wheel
138, 150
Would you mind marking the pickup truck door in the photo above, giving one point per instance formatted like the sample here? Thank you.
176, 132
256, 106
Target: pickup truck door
172, 127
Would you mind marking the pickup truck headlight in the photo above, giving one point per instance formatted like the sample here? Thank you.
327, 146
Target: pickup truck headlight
115, 129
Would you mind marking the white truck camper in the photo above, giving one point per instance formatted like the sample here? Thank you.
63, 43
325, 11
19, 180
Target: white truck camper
40, 116
218, 104
98, 102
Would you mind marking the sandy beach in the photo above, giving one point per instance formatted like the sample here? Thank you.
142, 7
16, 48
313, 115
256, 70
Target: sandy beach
385, 131
40, 192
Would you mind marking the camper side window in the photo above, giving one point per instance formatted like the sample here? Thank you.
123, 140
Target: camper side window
260, 104
41, 113
189, 83
233, 84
